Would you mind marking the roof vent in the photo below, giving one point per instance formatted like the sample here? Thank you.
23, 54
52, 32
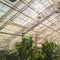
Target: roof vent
56, 3
12, 0
39, 17
59, 5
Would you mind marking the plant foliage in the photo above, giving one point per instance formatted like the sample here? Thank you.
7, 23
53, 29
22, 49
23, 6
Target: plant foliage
26, 51
48, 48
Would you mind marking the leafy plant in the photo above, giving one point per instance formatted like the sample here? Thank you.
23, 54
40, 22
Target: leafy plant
26, 51
39, 55
24, 48
48, 48
31, 53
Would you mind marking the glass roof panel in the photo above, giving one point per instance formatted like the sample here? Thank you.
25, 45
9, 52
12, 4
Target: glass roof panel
3, 36
13, 28
7, 31
21, 5
38, 27
22, 20
38, 6
45, 30
11, 15
46, 2
31, 13
3, 9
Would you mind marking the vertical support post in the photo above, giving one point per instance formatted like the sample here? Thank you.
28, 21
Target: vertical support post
36, 41
22, 40
22, 35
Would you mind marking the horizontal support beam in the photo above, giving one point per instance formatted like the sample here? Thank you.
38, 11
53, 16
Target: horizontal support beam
10, 34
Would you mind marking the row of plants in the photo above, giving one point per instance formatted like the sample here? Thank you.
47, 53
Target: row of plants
26, 51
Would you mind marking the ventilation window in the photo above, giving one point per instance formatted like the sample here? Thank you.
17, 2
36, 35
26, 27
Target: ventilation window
12, 0
59, 5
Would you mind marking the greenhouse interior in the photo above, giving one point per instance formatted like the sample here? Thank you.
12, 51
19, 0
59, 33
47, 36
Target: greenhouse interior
29, 29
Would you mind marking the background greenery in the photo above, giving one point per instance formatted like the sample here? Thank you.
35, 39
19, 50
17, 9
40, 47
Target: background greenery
26, 51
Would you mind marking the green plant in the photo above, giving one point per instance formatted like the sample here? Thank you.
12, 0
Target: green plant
39, 55
48, 48
31, 53
26, 51
24, 48
27, 42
